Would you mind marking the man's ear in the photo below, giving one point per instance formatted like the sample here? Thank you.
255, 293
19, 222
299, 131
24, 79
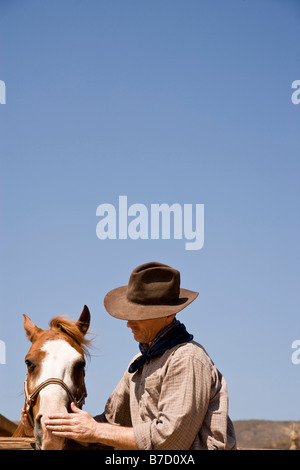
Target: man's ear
83, 321
31, 329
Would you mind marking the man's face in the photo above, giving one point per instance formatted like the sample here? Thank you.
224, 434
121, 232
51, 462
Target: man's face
144, 331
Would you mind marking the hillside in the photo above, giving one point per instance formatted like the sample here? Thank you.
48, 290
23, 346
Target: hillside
251, 434
262, 434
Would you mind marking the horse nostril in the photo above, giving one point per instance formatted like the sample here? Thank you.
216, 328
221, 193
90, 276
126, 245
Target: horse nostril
38, 419
38, 431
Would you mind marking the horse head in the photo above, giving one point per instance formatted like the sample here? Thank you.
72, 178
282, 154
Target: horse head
55, 372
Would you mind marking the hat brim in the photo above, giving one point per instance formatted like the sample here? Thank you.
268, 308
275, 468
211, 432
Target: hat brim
118, 306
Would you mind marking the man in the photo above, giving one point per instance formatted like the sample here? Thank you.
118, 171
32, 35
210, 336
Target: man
172, 397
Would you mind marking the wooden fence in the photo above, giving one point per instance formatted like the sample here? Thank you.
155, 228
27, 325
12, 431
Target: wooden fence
16, 443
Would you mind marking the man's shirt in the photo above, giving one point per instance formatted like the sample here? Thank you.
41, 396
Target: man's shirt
176, 401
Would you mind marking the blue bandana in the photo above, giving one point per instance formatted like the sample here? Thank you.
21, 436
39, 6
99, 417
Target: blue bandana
173, 334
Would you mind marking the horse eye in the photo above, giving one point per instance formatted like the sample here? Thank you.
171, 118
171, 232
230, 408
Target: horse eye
80, 365
30, 365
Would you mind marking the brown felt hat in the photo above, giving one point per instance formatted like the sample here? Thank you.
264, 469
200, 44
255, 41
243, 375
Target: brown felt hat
153, 291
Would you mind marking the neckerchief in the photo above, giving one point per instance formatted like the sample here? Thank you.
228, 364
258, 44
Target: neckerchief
170, 336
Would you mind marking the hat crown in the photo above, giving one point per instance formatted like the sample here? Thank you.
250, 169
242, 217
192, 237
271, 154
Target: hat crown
154, 284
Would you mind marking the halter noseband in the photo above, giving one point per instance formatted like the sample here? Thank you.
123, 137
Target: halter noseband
29, 399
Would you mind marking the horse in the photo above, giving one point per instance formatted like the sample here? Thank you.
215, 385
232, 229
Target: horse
55, 374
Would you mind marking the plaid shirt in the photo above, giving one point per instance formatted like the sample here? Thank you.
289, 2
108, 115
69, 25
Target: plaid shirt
177, 401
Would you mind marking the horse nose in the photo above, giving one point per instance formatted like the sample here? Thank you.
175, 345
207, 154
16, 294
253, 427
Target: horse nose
44, 437
38, 419
38, 431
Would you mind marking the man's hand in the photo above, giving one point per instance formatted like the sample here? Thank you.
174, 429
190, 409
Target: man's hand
79, 425
28, 429
82, 427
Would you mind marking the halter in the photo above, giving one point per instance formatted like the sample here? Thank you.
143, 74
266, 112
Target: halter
30, 399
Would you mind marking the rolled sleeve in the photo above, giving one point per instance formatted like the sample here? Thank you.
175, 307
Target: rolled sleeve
117, 409
142, 435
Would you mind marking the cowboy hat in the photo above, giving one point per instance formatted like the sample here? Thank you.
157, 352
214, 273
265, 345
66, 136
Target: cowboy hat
153, 291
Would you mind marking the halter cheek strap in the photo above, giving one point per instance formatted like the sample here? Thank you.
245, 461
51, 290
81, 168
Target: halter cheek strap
29, 399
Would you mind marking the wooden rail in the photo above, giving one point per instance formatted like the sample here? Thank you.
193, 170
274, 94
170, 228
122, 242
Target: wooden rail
16, 443
27, 443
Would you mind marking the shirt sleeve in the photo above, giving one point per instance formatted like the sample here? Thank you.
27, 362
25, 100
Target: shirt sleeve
117, 409
182, 406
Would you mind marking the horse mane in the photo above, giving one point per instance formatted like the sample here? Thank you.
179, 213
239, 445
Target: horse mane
69, 327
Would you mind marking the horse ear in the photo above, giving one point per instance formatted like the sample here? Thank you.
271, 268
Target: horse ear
31, 329
83, 321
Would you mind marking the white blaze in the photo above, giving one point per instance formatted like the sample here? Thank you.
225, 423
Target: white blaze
58, 363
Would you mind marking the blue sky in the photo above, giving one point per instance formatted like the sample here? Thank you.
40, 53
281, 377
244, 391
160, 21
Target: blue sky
164, 102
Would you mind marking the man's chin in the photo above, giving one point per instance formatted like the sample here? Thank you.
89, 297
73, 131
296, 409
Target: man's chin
137, 337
